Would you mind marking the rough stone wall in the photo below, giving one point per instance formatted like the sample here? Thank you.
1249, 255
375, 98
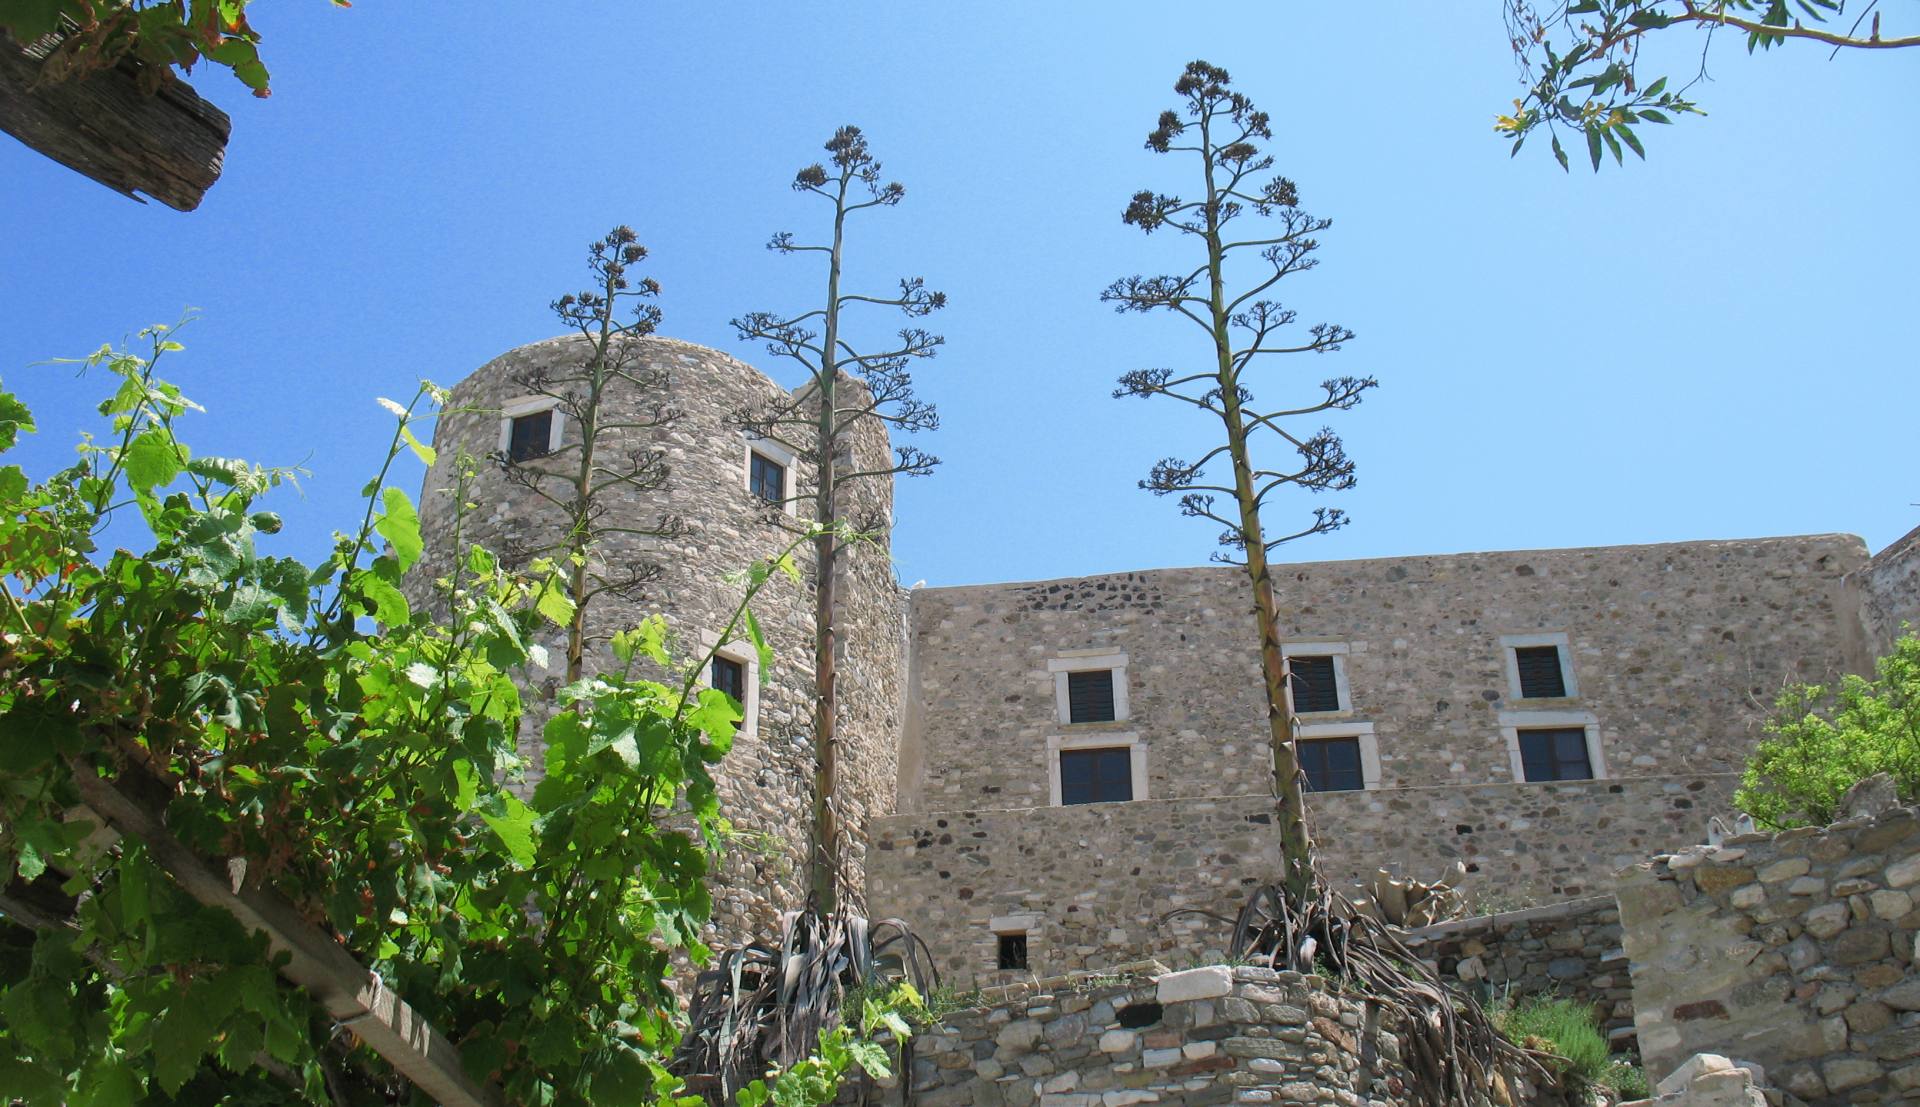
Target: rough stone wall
766, 782
1889, 588
1204, 1036
1568, 949
1092, 884
1796, 950
1670, 646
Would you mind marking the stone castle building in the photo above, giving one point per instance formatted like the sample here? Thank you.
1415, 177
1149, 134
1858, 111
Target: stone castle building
1037, 775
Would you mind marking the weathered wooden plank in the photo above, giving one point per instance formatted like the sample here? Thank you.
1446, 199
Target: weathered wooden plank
355, 997
169, 145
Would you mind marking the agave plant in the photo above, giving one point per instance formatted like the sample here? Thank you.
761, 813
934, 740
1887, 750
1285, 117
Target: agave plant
762, 1006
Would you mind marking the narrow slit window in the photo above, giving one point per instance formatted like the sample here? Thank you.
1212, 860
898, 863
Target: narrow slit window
1090, 696
1558, 753
1315, 687
1013, 951
1096, 776
730, 676
530, 436
766, 478
1541, 676
1331, 764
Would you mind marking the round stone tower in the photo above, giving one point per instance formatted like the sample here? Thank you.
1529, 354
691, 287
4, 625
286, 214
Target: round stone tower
718, 484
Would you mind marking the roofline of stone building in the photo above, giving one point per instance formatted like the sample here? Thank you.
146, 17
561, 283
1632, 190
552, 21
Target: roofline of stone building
1462, 554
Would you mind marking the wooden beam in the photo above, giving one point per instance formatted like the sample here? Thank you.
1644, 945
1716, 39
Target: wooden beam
169, 145
355, 997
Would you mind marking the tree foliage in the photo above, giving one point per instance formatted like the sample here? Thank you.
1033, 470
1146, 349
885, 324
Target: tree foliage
1581, 60
316, 735
162, 34
1246, 335
1824, 739
818, 423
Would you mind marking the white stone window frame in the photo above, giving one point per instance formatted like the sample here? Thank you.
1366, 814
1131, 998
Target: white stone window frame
1084, 661
532, 405
741, 652
1362, 733
1002, 926
1558, 639
1127, 739
1513, 722
779, 455
1338, 651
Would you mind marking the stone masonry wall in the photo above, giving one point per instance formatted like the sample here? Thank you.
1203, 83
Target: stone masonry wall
1092, 884
1567, 949
766, 782
1203, 1036
1890, 593
1797, 951
1674, 648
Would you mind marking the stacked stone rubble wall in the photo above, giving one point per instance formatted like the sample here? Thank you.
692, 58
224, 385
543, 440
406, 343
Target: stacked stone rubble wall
1889, 588
1796, 951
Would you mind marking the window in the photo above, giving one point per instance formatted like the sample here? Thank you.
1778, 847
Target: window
530, 428
1315, 688
1331, 764
730, 676
1089, 686
766, 478
1559, 753
1090, 696
1096, 776
1539, 670
1013, 951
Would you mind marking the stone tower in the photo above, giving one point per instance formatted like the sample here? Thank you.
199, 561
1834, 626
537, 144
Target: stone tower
718, 484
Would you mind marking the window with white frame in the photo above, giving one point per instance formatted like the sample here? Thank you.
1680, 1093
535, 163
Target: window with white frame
1338, 757
530, 428
770, 473
1090, 686
1539, 666
1545, 746
1096, 767
735, 670
1317, 676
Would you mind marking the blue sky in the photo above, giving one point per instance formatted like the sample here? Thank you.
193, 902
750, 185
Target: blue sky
1715, 343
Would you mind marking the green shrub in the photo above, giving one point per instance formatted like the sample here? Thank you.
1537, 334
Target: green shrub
1627, 1080
1823, 739
1565, 1028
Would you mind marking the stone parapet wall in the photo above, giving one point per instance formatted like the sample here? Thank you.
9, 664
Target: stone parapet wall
1796, 951
1889, 587
1094, 885
1674, 650
1203, 1036
1566, 949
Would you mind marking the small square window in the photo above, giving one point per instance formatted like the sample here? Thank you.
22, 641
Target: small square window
1541, 676
1558, 753
1315, 688
1090, 696
1013, 951
1331, 764
730, 676
530, 436
766, 478
1096, 776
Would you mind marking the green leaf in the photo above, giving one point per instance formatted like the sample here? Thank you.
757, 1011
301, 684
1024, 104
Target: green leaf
1633, 141
793, 571
14, 418
1613, 144
389, 604
420, 449
180, 1038
30, 863
1593, 146
151, 460
554, 603
512, 822
1559, 153
759, 641
400, 525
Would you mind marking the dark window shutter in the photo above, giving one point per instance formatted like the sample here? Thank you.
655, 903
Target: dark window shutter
1096, 776
529, 434
1090, 696
730, 676
1540, 674
1314, 688
1331, 764
1558, 753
